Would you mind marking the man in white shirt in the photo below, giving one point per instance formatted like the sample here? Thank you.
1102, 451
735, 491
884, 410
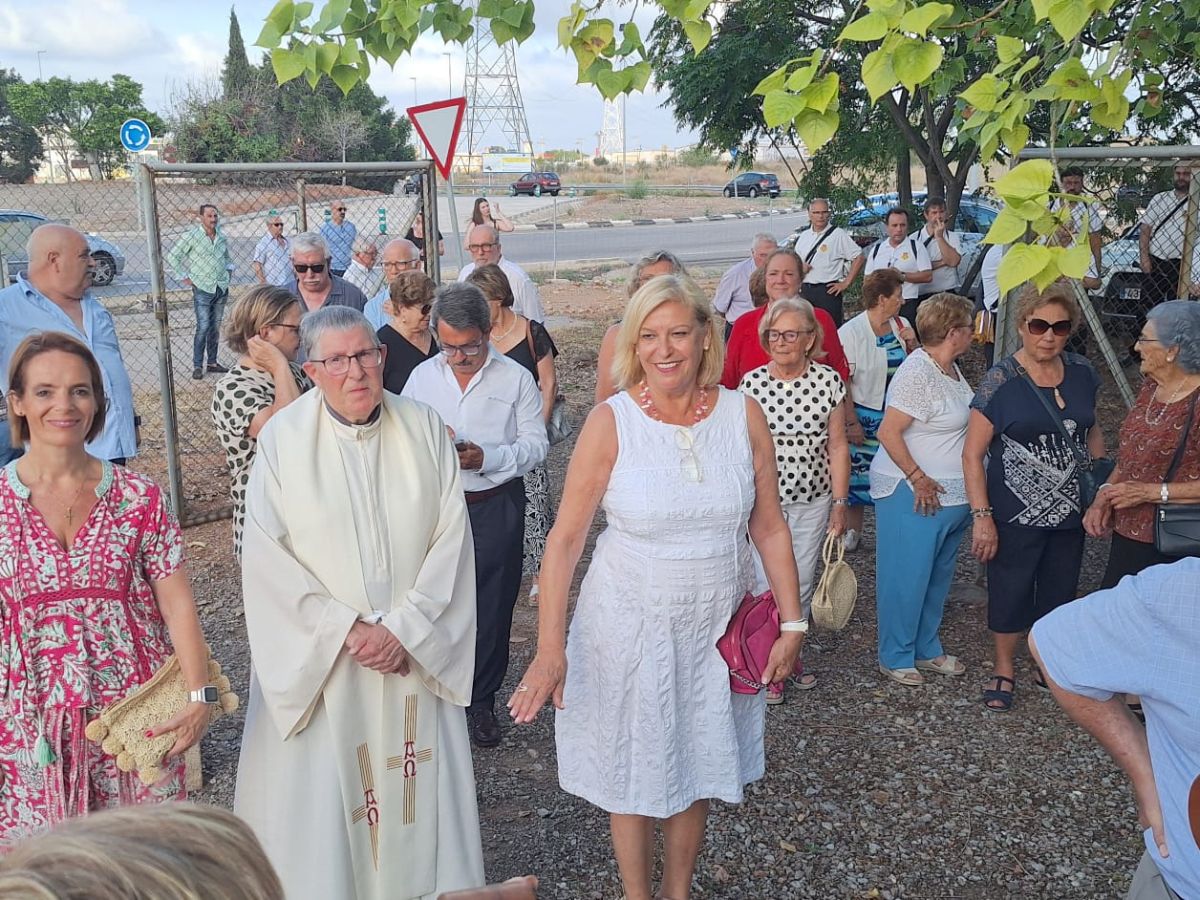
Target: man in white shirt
733, 293
494, 411
484, 243
989, 275
399, 255
362, 272
832, 260
904, 254
273, 254
1160, 238
1083, 217
944, 248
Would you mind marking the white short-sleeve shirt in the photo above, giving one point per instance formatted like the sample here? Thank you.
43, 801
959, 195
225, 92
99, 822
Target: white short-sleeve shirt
946, 277
907, 256
1166, 215
833, 257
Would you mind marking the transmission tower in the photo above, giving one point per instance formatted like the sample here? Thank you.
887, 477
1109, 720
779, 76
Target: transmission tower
495, 110
611, 137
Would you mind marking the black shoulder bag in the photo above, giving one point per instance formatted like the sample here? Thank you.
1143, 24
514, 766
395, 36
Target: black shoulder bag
1090, 472
1177, 525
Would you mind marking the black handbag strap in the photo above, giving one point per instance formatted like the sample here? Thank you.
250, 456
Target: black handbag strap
1182, 447
817, 244
1084, 462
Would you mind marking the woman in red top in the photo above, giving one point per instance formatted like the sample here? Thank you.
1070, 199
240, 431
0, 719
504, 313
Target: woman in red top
1170, 349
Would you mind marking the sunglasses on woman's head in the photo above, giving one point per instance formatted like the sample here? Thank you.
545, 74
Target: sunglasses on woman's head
1038, 327
302, 268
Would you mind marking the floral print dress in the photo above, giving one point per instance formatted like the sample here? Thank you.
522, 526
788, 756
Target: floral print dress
80, 629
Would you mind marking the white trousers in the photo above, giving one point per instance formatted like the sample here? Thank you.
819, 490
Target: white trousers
808, 520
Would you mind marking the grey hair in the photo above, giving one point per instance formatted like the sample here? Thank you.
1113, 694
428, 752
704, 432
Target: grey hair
461, 306
824, 200
1177, 324
764, 238
363, 243
654, 256
309, 242
315, 324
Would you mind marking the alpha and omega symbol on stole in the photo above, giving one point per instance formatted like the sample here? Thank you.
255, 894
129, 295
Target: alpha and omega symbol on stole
370, 806
410, 759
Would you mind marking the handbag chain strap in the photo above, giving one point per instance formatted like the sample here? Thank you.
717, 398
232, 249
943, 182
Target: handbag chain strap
1182, 446
1084, 462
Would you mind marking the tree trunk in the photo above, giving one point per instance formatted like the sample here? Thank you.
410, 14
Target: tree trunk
904, 177
343, 163
935, 186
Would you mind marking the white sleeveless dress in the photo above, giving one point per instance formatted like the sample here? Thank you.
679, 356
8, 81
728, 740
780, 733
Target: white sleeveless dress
650, 724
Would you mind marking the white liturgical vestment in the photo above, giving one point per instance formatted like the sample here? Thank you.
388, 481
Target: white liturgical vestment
359, 784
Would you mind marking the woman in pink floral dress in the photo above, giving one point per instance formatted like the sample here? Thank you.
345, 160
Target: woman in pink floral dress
93, 599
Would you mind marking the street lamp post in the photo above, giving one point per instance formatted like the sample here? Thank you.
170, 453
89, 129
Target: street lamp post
39, 59
414, 81
449, 75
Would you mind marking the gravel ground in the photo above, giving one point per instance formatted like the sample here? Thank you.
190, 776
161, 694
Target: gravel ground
873, 790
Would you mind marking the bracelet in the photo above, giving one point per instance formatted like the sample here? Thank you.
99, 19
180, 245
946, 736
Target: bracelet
908, 475
983, 512
800, 625
841, 501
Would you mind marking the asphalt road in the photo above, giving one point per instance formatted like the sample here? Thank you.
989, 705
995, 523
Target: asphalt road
710, 242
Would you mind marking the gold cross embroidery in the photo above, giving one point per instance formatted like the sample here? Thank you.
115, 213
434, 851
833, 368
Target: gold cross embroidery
370, 808
410, 759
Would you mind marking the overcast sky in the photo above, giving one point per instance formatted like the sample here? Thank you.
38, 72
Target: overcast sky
164, 43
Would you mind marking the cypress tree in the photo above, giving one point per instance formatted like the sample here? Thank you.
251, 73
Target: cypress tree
235, 73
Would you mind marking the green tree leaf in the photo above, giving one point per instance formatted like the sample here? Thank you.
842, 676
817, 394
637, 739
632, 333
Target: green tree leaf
878, 74
639, 75
1022, 262
871, 27
1073, 81
327, 56
816, 128
1007, 229
1009, 49
773, 82
1026, 181
611, 82
345, 77
985, 93
1068, 17
916, 60
780, 107
921, 18
1075, 261
699, 33
822, 94
288, 64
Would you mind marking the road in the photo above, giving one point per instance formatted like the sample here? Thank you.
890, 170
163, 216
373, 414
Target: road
696, 243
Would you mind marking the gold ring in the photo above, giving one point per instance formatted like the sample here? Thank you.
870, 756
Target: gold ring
522, 688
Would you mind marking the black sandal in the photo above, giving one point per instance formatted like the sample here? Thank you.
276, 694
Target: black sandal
997, 694
1040, 680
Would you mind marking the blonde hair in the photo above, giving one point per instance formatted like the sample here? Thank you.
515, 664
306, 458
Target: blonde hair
1060, 294
172, 851
494, 283
941, 312
261, 306
627, 368
793, 305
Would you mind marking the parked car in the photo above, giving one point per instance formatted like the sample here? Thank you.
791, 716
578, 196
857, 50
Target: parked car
17, 225
1119, 297
536, 183
412, 184
751, 184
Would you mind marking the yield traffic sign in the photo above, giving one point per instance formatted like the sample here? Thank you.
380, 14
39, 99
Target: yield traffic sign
438, 124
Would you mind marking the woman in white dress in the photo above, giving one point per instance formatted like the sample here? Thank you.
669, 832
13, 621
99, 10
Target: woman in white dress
647, 726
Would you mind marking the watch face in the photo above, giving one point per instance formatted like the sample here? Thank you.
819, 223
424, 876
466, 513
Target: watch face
210, 694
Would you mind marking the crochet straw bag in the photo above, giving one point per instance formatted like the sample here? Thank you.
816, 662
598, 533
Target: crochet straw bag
837, 591
120, 729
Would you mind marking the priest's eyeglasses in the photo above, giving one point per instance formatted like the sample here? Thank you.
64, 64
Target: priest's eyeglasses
340, 365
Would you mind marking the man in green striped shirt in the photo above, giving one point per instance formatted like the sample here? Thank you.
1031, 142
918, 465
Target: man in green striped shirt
200, 260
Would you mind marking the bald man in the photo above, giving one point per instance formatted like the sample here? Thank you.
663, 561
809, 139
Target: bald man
399, 255
484, 243
56, 296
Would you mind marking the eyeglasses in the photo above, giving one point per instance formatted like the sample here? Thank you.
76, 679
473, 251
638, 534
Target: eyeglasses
301, 268
340, 365
788, 337
275, 224
448, 350
424, 308
339, 209
479, 248
686, 442
402, 264
1142, 339
283, 325
1038, 327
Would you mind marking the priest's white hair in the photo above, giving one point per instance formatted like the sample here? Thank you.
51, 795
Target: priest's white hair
315, 324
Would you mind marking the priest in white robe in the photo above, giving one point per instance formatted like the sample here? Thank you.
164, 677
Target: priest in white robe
358, 578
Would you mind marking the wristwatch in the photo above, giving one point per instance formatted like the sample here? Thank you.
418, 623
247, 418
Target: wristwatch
1164, 493
800, 625
206, 694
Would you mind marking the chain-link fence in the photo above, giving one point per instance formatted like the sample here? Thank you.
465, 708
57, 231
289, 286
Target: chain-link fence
133, 226
1142, 220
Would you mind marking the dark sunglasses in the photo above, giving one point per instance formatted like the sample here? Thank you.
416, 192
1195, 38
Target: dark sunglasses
425, 308
315, 267
1038, 327
340, 209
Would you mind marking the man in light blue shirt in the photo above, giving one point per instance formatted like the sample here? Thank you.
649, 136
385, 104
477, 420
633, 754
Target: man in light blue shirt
399, 256
339, 238
55, 297
1141, 637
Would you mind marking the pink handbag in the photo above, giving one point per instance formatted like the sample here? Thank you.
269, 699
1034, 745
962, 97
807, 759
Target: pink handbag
746, 644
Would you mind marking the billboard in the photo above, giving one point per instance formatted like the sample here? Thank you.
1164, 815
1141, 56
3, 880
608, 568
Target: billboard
507, 162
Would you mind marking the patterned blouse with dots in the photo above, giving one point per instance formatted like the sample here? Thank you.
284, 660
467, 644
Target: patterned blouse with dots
239, 396
798, 415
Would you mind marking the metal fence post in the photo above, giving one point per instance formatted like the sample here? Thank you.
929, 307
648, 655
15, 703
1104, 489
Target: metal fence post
554, 255
302, 205
428, 192
166, 374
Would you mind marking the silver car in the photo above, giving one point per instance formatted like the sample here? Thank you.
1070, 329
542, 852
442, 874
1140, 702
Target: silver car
16, 225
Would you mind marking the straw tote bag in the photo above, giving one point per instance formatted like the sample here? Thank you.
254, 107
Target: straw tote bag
837, 591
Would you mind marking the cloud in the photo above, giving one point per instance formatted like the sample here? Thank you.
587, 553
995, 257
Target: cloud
79, 30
